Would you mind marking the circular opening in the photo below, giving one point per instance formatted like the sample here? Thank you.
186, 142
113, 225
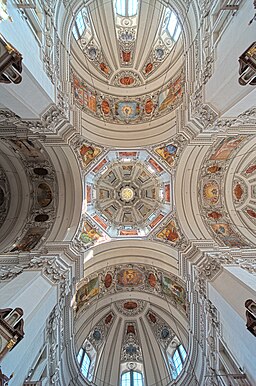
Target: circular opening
41, 217
41, 171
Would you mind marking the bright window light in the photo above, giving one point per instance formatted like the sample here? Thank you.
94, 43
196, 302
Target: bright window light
172, 24
177, 33
126, 7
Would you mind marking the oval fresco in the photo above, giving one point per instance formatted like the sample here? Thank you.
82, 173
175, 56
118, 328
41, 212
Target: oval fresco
108, 280
251, 212
44, 194
41, 171
238, 191
105, 107
213, 169
152, 280
130, 305
41, 217
211, 192
130, 278
127, 80
215, 215
149, 106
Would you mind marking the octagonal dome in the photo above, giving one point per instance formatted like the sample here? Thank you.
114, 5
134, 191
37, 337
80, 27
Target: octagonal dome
129, 193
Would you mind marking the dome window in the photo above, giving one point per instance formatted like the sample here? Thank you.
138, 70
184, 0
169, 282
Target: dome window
172, 25
84, 362
177, 360
132, 378
79, 25
126, 8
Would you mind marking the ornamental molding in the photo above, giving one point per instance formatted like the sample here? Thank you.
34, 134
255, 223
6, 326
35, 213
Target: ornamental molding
49, 266
214, 262
247, 120
203, 112
52, 121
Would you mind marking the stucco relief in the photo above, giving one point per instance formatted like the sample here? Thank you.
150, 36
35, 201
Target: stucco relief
42, 178
129, 278
213, 196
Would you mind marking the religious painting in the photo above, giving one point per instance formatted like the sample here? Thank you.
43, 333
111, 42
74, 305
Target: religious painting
105, 107
251, 212
211, 192
214, 215
27, 149
227, 235
108, 280
88, 194
100, 165
148, 106
129, 277
44, 195
100, 221
89, 233
127, 153
155, 165
226, 147
78, 91
108, 319
151, 317
168, 153
104, 68
152, 280
88, 154
90, 100
127, 80
130, 232
169, 233
130, 305
126, 56
87, 292
130, 329
30, 240
148, 68
213, 169
156, 220
169, 96
172, 288
251, 169
127, 110
167, 192
238, 191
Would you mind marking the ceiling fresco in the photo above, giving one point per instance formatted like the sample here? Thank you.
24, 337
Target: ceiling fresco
129, 278
129, 109
124, 52
128, 193
219, 199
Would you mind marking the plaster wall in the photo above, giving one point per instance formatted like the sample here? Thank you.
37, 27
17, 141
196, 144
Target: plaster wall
37, 297
228, 293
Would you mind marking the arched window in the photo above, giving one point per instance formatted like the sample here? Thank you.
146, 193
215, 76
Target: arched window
126, 7
176, 361
84, 362
172, 25
132, 378
80, 24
